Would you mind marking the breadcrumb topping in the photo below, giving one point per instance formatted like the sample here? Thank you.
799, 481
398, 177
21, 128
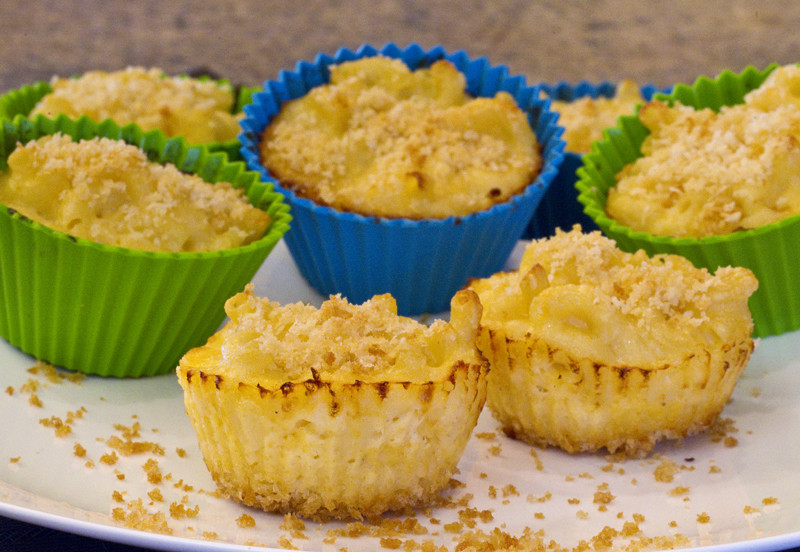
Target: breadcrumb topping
199, 110
585, 293
705, 173
108, 191
341, 341
383, 140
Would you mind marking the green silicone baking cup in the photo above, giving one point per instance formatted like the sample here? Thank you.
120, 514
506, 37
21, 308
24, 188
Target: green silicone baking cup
22, 100
769, 251
113, 311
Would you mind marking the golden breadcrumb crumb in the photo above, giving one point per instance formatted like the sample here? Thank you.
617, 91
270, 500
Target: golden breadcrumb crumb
245, 520
679, 491
665, 472
109, 458
180, 511
152, 470
136, 516
61, 428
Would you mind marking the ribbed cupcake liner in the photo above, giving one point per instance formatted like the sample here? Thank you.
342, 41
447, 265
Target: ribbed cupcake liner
768, 250
113, 311
559, 207
422, 263
298, 448
543, 396
22, 100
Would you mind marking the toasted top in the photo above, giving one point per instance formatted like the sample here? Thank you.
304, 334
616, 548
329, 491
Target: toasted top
199, 110
582, 294
383, 140
585, 118
108, 191
271, 344
704, 173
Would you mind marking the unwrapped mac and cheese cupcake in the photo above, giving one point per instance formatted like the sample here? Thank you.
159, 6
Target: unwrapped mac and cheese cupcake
346, 411
731, 198
445, 158
591, 347
120, 247
202, 110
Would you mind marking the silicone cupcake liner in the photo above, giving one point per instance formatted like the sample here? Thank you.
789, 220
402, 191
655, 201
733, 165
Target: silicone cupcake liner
559, 208
21, 101
769, 251
113, 311
422, 263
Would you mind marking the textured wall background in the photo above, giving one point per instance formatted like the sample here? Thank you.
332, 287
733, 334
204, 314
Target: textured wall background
251, 40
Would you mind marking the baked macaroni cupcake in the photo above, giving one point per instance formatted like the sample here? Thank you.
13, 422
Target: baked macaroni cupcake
346, 411
132, 265
584, 117
441, 197
204, 111
591, 347
732, 198
584, 110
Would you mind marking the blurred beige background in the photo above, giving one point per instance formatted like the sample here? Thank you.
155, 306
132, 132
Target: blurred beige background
250, 41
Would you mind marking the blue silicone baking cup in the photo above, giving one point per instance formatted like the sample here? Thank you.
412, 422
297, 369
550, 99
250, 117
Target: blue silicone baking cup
560, 208
422, 263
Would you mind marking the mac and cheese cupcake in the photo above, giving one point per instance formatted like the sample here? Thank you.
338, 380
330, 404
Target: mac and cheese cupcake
591, 347
585, 109
346, 411
394, 226
202, 110
734, 140
181, 230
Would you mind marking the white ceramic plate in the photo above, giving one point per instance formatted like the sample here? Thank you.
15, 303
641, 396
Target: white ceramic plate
723, 497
